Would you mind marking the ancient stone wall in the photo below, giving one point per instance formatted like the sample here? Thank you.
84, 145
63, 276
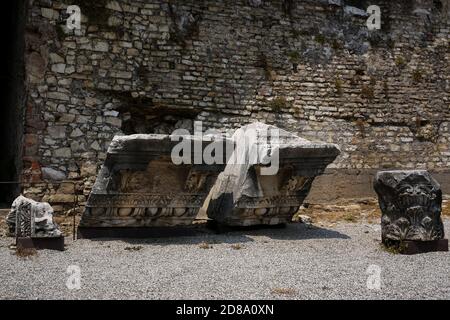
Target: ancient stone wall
311, 67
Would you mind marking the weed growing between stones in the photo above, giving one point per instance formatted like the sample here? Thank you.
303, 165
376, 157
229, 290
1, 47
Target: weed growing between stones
417, 76
284, 291
393, 248
294, 58
320, 38
400, 62
205, 245
25, 253
278, 104
368, 92
350, 218
360, 125
338, 86
134, 248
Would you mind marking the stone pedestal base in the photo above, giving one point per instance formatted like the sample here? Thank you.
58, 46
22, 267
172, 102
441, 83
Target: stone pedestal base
51, 243
414, 247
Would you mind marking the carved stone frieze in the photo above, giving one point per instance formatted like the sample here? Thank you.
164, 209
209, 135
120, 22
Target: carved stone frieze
140, 185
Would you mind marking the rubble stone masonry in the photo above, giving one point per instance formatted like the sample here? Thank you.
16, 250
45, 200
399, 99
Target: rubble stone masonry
308, 66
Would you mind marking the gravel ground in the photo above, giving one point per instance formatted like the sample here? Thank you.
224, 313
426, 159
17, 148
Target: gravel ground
298, 262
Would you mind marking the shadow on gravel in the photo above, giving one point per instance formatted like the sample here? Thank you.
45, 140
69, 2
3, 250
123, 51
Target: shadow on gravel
293, 231
170, 236
298, 231
212, 235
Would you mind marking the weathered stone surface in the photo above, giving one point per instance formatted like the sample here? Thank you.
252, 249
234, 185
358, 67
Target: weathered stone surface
36, 66
410, 202
62, 198
52, 174
140, 186
29, 218
244, 195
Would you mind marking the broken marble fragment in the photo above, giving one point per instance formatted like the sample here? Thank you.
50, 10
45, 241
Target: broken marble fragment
29, 218
250, 192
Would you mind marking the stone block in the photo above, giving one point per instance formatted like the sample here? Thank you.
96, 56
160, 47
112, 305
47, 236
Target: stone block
62, 198
139, 185
411, 204
245, 194
52, 174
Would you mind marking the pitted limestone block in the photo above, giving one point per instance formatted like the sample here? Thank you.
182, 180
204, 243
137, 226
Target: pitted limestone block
411, 203
29, 218
139, 185
248, 193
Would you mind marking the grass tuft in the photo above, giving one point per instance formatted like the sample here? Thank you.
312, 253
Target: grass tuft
368, 92
393, 248
278, 104
338, 85
205, 245
284, 291
25, 253
400, 62
135, 248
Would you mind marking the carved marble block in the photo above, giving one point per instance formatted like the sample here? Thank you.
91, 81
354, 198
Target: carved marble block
139, 185
245, 195
31, 219
410, 202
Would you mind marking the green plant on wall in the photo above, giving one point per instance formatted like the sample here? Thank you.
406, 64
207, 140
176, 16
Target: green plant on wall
320, 38
368, 92
296, 33
338, 86
294, 57
386, 88
400, 62
417, 76
278, 104
360, 124
336, 45
262, 62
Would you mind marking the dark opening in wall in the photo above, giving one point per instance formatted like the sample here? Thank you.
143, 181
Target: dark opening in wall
12, 98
